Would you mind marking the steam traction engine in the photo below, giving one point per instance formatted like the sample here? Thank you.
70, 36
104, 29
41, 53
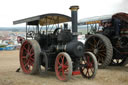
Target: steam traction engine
102, 39
55, 50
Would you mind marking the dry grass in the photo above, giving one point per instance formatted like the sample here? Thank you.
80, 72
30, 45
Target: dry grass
9, 62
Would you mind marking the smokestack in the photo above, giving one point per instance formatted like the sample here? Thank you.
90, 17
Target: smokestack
74, 19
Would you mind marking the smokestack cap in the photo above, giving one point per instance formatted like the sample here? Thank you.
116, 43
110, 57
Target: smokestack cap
74, 8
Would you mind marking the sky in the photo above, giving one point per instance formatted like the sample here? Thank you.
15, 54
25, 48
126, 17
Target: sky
11, 10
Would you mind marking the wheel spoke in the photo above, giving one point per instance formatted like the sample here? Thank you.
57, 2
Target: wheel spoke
91, 44
31, 54
60, 71
31, 58
65, 66
63, 60
63, 73
58, 61
92, 70
100, 58
102, 54
102, 50
25, 49
28, 47
23, 56
94, 41
101, 46
98, 42
66, 63
87, 72
27, 63
31, 50
88, 60
61, 56
31, 63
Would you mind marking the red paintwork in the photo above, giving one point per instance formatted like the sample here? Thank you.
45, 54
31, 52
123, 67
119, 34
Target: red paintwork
26, 57
76, 73
61, 67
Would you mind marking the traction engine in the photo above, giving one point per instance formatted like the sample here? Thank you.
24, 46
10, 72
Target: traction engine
58, 51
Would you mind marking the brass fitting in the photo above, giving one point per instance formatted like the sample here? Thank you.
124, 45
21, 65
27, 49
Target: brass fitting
74, 8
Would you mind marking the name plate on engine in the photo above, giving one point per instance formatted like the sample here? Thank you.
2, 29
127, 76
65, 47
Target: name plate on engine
77, 33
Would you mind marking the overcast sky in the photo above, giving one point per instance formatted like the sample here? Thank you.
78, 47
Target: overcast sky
11, 10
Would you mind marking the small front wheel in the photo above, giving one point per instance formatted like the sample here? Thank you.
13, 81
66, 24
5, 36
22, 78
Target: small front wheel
63, 66
89, 65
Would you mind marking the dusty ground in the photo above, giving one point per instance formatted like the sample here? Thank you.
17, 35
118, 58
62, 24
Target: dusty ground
9, 62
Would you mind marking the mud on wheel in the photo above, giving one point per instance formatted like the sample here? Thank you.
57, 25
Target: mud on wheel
63, 66
89, 65
101, 46
29, 56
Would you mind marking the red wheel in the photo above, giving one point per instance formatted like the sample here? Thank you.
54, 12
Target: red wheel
29, 56
63, 66
89, 65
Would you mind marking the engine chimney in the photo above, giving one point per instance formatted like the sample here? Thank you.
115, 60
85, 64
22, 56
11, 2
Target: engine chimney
74, 20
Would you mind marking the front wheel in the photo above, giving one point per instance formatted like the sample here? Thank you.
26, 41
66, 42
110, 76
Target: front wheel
63, 66
89, 65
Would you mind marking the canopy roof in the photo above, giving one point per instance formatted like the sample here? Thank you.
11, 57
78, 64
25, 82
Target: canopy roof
93, 20
106, 18
46, 19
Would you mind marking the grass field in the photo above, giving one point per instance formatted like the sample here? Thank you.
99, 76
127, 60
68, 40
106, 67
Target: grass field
9, 62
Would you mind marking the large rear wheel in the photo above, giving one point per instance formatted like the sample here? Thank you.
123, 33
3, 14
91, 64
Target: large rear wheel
101, 46
63, 66
29, 56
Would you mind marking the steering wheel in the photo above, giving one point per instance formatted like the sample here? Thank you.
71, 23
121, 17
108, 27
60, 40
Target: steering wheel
31, 34
56, 31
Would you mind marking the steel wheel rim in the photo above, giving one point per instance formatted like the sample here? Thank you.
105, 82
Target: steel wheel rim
27, 57
88, 70
61, 67
98, 47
